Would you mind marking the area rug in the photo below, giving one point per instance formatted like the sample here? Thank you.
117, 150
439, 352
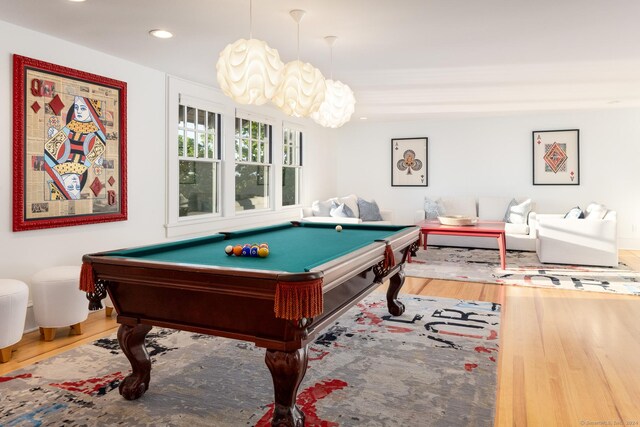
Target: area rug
523, 269
434, 365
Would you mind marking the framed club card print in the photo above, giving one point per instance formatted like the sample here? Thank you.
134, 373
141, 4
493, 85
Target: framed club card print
556, 157
409, 162
69, 146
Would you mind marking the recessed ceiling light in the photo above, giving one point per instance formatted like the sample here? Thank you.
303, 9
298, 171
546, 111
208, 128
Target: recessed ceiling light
77, 1
161, 34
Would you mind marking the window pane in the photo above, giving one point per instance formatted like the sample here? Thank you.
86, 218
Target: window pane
191, 144
290, 180
191, 118
180, 142
255, 151
255, 127
181, 116
244, 155
252, 187
211, 122
245, 128
201, 145
211, 148
202, 120
197, 188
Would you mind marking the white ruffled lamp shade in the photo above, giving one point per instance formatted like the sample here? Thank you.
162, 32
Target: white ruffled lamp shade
338, 106
249, 71
301, 91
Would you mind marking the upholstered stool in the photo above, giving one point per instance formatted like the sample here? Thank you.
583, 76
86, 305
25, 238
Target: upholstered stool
57, 300
14, 296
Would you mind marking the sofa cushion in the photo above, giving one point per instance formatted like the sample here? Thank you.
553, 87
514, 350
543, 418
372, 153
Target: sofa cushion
432, 209
369, 211
341, 211
321, 208
518, 213
574, 213
352, 202
595, 211
459, 206
510, 228
493, 208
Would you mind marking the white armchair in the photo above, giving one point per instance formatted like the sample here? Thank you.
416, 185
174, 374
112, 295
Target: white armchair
578, 241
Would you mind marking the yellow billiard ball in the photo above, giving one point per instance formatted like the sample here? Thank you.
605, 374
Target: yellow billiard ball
338, 228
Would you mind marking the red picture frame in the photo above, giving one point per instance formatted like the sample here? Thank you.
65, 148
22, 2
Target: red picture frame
69, 146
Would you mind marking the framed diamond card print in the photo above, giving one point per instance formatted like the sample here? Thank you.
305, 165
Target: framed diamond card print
69, 146
556, 157
409, 162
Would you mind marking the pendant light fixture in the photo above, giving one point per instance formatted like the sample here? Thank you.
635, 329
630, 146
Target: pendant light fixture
339, 102
303, 87
249, 71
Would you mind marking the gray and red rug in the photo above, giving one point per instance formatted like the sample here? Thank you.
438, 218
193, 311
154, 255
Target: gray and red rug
434, 365
523, 269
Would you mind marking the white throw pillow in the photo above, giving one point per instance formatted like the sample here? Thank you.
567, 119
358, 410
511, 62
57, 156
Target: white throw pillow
518, 213
595, 211
341, 210
352, 202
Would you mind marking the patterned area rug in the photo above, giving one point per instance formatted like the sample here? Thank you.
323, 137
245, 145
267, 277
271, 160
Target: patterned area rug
434, 365
523, 268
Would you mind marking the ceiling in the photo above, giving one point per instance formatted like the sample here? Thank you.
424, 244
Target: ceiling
404, 59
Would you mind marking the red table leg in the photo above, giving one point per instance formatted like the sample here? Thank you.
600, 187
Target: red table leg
502, 246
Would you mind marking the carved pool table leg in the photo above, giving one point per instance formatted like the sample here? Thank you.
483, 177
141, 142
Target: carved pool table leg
131, 339
396, 281
287, 370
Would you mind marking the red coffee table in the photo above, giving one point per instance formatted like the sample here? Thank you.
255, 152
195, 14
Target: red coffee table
480, 229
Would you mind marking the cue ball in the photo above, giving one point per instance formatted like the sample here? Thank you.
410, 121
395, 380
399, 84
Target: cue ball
229, 250
338, 228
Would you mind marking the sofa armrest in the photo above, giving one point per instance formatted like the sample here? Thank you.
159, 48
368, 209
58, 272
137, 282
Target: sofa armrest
595, 232
418, 216
305, 212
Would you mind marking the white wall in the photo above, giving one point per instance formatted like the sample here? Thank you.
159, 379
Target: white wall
23, 253
492, 156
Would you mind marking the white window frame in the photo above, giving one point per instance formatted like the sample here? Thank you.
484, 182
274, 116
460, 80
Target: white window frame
198, 96
253, 117
299, 139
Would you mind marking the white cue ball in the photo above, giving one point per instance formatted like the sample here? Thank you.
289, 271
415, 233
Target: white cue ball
338, 228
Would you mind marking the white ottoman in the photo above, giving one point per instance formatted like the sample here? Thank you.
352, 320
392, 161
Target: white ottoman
57, 300
14, 296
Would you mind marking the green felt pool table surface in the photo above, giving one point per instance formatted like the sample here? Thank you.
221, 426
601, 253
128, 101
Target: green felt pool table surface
293, 247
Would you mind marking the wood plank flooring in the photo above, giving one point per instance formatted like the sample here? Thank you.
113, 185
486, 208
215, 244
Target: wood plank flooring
567, 358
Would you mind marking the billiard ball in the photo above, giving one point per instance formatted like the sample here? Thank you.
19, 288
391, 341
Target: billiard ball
263, 252
229, 250
254, 251
263, 245
237, 250
338, 228
246, 251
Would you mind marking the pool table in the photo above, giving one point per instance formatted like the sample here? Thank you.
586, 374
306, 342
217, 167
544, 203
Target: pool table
312, 275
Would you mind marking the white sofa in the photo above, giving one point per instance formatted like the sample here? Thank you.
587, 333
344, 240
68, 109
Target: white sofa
585, 241
521, 237
318, 212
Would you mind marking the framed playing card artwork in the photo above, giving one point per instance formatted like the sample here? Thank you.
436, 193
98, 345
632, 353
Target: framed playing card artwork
69, 146
409, 162
556, 157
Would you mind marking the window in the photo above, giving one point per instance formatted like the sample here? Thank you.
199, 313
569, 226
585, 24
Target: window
291, 166
198, 161
253, 164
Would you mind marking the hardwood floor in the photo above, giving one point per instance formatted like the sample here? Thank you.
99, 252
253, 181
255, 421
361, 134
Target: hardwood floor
567, 358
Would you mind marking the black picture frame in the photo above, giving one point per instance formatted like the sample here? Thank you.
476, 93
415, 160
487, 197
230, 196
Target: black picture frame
556, 157
410, 162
